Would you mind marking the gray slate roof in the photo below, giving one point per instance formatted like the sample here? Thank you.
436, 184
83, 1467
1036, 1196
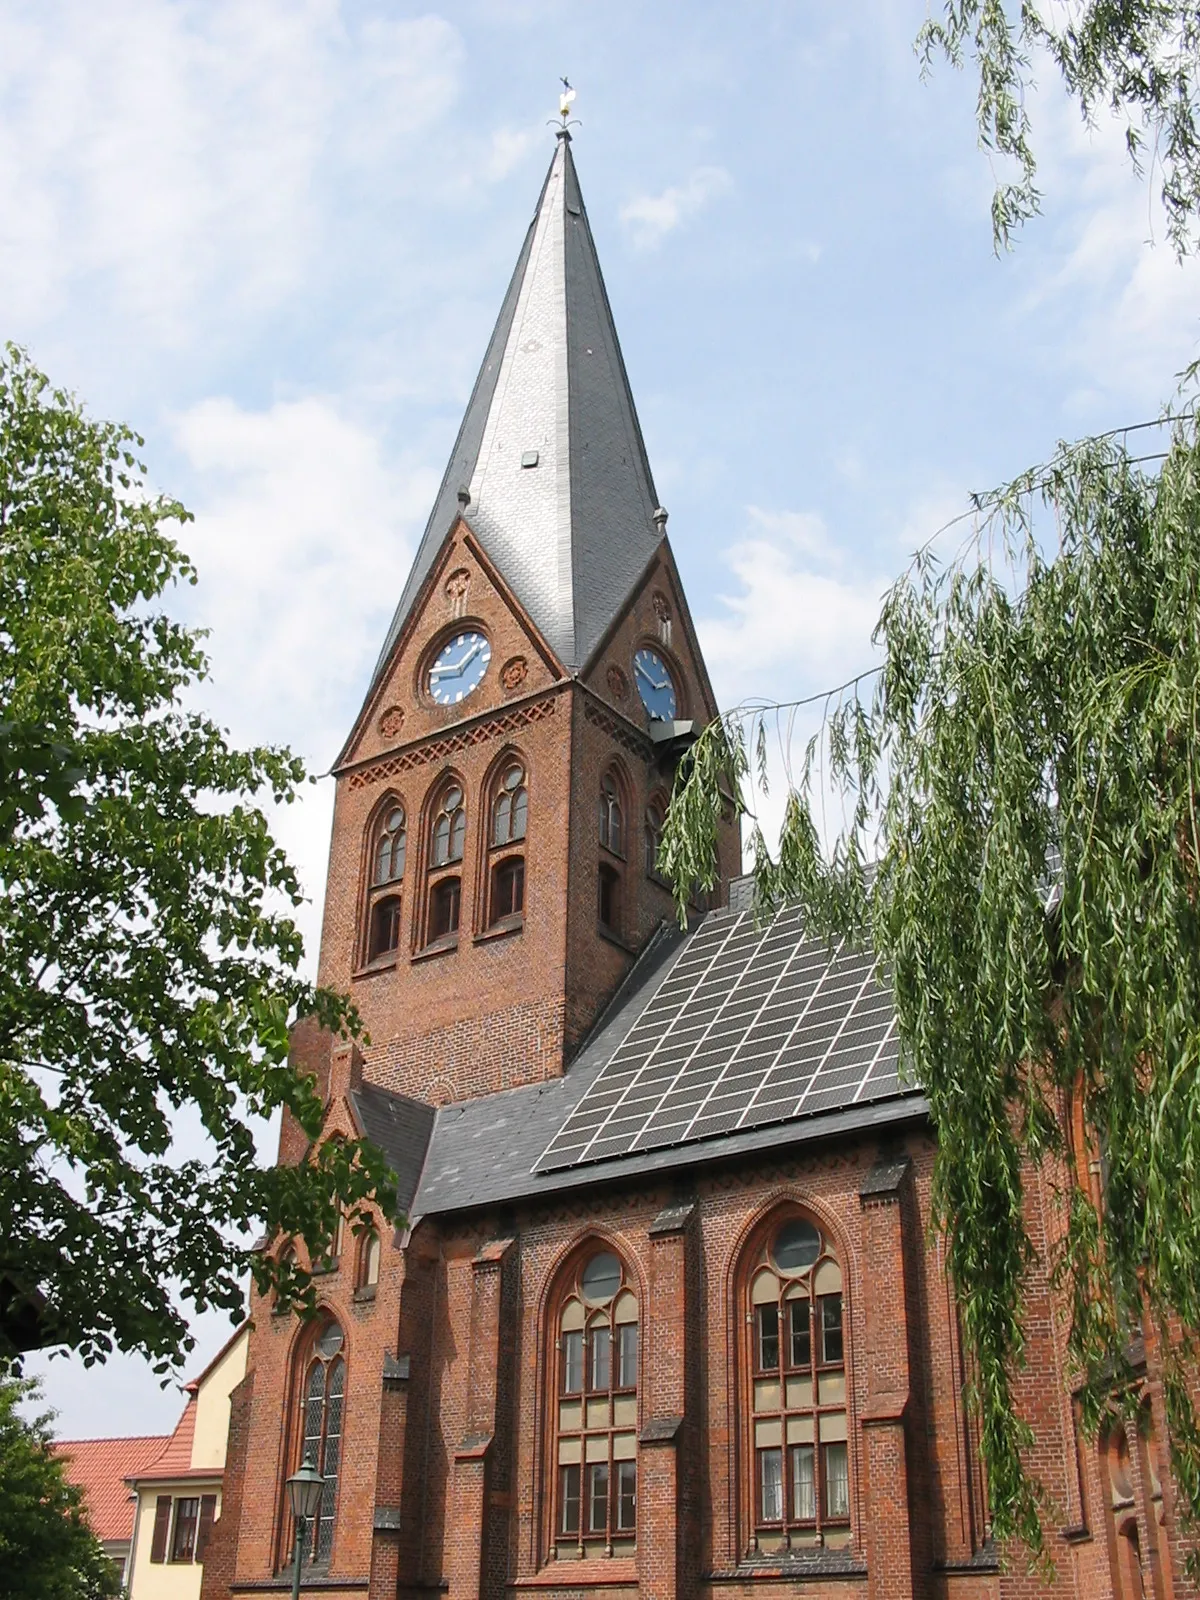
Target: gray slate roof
401, 1128
734, 1039
571, 534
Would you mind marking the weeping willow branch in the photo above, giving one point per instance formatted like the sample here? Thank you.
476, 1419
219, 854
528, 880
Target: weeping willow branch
1020, 845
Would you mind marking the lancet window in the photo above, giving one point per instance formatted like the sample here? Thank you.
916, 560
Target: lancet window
388, 846
321, 1426
799, 1448
610, 873
447, 839
595, 1454
509, 812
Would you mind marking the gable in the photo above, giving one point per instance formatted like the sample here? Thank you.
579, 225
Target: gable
462, 592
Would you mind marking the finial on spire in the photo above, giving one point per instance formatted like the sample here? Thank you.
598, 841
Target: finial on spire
565, 99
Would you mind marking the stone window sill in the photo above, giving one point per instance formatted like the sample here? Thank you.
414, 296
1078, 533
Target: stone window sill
384, 963
439, 947
365, 1293
504, 929
611, 936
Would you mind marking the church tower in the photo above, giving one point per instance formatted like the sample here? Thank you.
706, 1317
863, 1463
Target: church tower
492, 873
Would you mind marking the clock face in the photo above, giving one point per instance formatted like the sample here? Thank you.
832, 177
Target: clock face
459, 667
654, 685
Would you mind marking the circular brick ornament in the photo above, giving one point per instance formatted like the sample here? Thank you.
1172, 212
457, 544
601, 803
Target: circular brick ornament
391, 723
513, 673
618, 684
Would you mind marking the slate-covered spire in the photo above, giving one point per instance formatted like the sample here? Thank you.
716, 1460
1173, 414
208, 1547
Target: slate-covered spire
550, 450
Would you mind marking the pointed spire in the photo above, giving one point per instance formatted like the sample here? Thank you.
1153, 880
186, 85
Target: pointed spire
549, 468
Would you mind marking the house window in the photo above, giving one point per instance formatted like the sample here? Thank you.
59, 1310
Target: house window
387, 847
444, 905
449, 828
321, 1402
656, 813
612, 822
595, 1442
797, 1430
187, 1524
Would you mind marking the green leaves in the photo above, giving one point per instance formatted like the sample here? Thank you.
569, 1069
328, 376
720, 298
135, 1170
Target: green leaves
147, 960
1136, 60
1024, 775
47, 1549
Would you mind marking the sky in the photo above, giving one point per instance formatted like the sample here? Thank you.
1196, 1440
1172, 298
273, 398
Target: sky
273, 235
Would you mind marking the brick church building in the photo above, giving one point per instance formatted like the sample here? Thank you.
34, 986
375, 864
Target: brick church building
666, 1318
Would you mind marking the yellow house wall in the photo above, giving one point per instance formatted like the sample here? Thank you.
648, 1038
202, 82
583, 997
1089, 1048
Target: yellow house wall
212, 1407
166, 1580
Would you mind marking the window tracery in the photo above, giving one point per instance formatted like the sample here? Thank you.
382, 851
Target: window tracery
321, 1400
595, 1438
509, 812
656, 816
609, 880
798, 1438
388, 851
447, 840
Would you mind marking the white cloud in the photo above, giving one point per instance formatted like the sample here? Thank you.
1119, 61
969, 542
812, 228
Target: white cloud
303, 538
800, 620
651, 217
166, 153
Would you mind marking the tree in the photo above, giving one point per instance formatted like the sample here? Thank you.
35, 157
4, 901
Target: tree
1021, 847
47, 1549
147, 960
1138, 58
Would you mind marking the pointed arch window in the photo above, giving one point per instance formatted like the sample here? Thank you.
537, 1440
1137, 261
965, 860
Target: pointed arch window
447, 842
799, 1478
595, 1441
449, 827
388, 847
322, 1424
612, 815
506, 842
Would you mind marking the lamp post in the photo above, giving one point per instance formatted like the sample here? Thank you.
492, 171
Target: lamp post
304, 1492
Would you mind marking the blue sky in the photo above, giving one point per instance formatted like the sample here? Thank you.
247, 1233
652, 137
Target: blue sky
274, 235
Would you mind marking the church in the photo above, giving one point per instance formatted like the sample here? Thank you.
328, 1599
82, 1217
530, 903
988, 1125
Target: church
666, 1317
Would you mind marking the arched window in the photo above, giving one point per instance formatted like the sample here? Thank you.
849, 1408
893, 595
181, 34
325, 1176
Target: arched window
368, 1260
656, 816
447, 840
506, 862
510, 806
388, 847
612, 820
322, 1400
449, 828
595, 1442
799, 1480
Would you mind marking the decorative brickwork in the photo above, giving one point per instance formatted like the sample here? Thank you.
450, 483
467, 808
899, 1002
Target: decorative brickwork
442, 749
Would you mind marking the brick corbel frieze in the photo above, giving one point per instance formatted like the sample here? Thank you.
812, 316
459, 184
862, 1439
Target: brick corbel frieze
472, 1456
885, 1454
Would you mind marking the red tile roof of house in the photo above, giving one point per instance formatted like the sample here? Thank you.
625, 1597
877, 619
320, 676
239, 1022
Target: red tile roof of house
175, 1460
100, 1467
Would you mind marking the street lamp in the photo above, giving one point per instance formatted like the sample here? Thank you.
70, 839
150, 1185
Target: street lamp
304, 1489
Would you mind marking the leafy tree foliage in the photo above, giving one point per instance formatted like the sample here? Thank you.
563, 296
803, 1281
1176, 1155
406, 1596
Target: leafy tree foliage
1137, 59
1021, 845
147, 963
47, 1549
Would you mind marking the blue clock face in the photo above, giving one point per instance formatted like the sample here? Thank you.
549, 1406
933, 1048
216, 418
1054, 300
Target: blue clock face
459, 667
654, 685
